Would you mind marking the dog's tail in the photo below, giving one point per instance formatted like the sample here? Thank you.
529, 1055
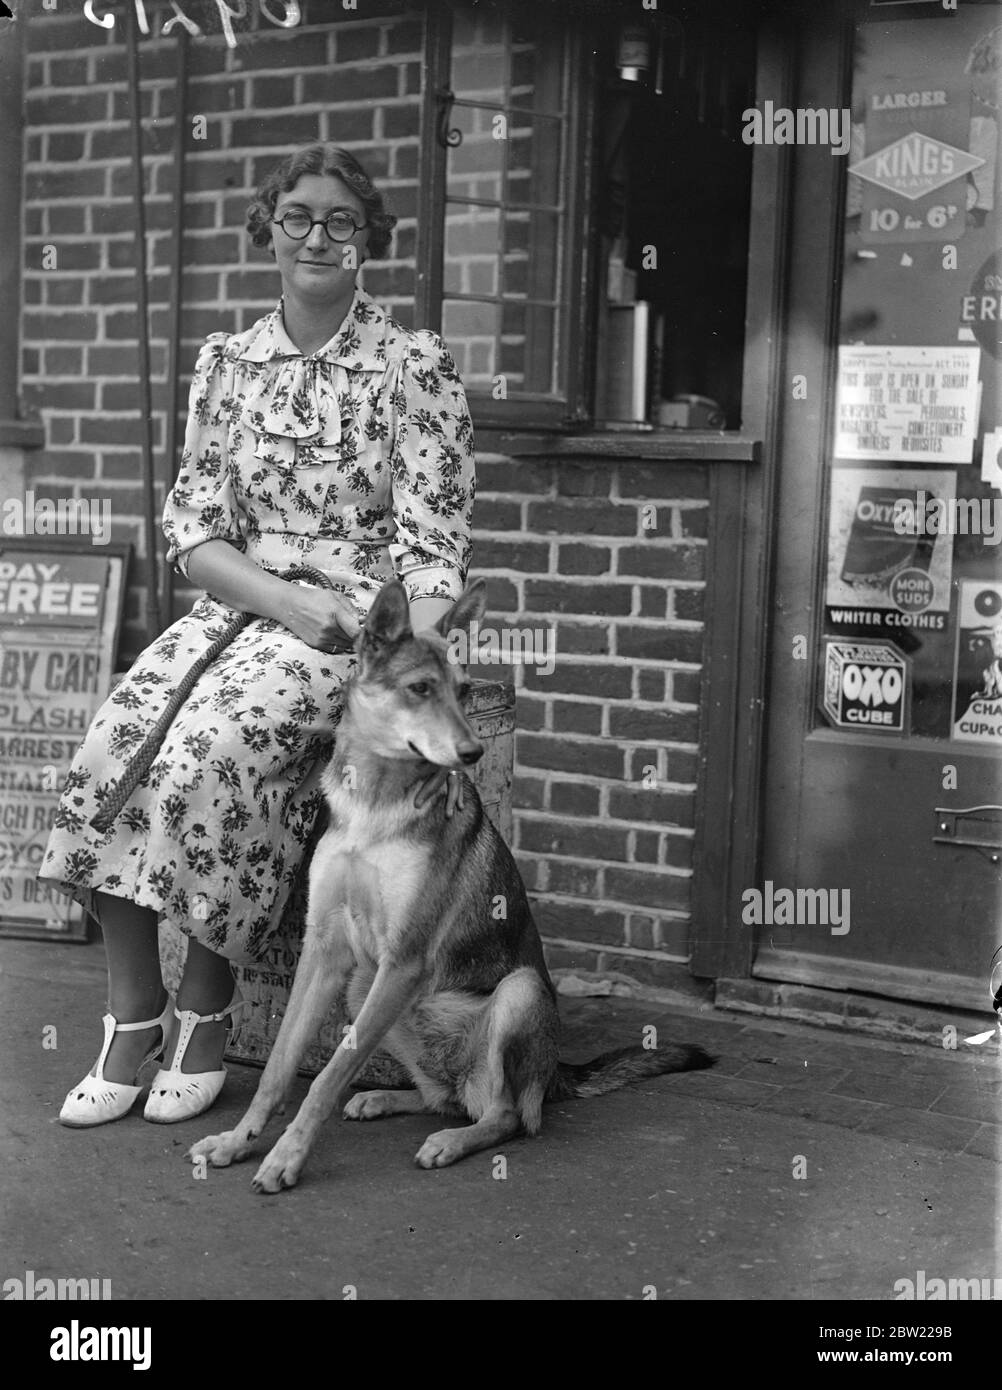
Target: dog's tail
611, 1070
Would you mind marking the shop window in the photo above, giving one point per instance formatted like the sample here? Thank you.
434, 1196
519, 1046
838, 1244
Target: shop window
673, 194
507, 133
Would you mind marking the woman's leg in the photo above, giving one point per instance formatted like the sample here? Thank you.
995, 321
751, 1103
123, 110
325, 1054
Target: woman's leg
206, 987
135, 987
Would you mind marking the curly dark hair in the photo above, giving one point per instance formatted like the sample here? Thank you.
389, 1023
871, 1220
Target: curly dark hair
321, 159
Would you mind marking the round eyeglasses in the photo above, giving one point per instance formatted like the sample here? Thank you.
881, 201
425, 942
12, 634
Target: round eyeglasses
339, 226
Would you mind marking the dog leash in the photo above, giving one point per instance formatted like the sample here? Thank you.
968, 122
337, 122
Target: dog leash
142, 760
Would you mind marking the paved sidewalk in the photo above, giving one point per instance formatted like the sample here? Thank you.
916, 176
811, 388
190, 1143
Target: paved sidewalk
805, 1165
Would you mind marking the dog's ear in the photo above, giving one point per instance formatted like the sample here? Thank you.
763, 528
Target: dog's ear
388, 620
468, 608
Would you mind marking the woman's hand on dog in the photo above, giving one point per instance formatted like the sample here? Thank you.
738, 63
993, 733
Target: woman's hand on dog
433, 785
321, 619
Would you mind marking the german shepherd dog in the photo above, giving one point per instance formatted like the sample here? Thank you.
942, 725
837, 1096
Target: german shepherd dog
423, 919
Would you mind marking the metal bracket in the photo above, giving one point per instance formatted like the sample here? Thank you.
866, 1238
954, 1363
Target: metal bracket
447, 138
974, 827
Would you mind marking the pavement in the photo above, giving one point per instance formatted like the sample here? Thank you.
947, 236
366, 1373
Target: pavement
806, 1165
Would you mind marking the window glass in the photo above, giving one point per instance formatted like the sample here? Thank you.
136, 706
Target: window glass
505, 218
912, 602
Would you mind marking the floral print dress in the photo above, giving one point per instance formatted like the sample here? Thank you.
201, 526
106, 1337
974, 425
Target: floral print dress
357, 459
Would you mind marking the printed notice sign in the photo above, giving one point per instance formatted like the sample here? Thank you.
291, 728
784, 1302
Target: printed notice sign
59, 610
907, 403
977, 687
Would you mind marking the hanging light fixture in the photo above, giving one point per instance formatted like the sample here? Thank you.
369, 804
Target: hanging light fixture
634, 52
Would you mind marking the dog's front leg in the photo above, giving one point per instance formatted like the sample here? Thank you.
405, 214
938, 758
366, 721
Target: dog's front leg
323, 968
392, 990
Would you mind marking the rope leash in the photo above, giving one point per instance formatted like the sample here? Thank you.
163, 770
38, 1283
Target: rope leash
142, 760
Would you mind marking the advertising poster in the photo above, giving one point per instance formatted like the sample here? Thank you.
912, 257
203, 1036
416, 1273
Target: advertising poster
890, 554
866, 686
917, 171
907, 403
977, 685
59, 614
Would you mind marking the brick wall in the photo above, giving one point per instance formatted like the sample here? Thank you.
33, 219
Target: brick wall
607, 858
613, 555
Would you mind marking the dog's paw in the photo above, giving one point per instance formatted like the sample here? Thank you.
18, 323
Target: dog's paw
441, 1149
220, 1149
369, 1105
281, 1168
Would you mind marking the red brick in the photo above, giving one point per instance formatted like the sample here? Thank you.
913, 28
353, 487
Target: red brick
515, 475
661, 480
658, 643
63, 361
599, 681
576, 717
552, 596
695, 521
70, 395
527, 793
123, 465
301, 129
262, 286
402, 120
574, 798
670, 726
678, 851
647, 889
269, 92
583, 639
660, 807
31, 292
65, 146
60, 290
524, 556
582, 516
207, 97
355, 42
660, 560
67, 463
489, 515
107, 430
688, 605
275, 48
651, 685
351, 84
570, 755
574, 840
502, 596
584, 559
111, 142
67, 108
576, 922
405, 36
685, 687
575, 880
653, 602
81, 326
579, 479
529, 713
646, 851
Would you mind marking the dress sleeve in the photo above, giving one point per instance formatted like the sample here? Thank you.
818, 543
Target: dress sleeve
201, 506
432, 469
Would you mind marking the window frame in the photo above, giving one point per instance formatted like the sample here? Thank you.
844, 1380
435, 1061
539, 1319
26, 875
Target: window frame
570, 408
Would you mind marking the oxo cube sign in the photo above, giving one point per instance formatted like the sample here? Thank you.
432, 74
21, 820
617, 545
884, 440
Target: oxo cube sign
865, 685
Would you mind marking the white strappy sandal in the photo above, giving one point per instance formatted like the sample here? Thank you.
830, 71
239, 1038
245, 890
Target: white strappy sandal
96, 1101
177, 1095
